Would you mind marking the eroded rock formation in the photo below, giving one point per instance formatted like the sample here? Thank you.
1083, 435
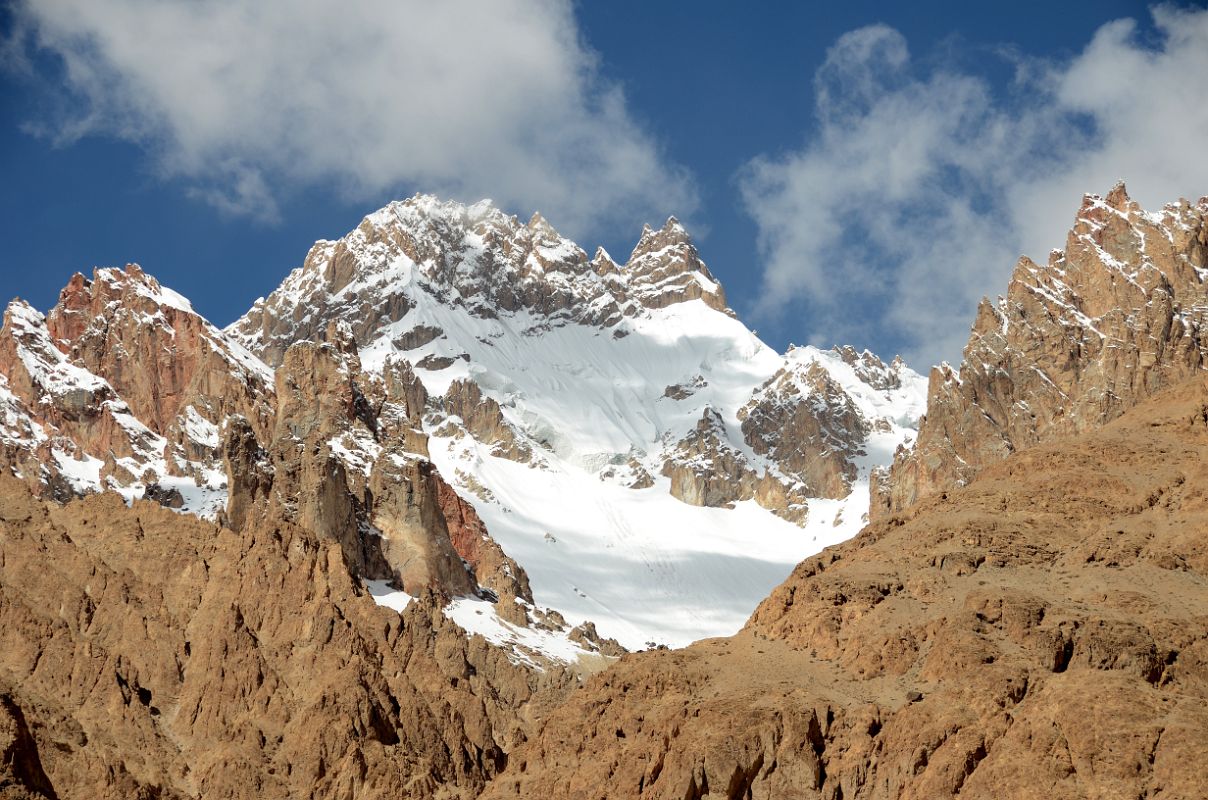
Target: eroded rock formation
1119, 314
148, 654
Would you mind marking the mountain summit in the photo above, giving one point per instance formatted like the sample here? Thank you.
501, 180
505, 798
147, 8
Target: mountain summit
617, 416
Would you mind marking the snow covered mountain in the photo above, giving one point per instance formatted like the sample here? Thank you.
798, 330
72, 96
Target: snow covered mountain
469, 405
652, 464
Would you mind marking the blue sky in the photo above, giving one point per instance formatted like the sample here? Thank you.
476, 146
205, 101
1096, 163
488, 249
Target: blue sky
861, 172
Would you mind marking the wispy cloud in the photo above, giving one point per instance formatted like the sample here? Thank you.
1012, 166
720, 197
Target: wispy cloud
919, 187
246, 101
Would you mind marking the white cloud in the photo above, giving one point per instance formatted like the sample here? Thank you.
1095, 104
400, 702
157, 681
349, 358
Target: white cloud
246, 101
918, 189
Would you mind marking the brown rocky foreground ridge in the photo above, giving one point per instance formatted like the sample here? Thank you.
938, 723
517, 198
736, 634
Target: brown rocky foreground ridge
1040, 633
146, 654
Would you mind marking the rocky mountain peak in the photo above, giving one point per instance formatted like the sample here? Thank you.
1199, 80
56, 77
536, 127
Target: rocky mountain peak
477, 258
123, 386
1116, 316
542, 230
672, 234
603, 264
665, 268
434, 368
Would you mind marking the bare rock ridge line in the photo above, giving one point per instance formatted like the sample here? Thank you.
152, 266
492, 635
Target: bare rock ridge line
481, 259
1119, 314
1040, 632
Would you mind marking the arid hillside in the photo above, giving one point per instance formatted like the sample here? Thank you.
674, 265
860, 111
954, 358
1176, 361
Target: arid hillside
147, 654
1040, 633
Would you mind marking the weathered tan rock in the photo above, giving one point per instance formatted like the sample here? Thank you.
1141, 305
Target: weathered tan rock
260, 669
249, 472
484, 420
338, 469
412, 533
1041, 632
1118, 315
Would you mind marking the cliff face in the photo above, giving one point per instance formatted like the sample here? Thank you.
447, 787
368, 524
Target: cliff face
148, 654
1040, 632
1119, 314
122, 386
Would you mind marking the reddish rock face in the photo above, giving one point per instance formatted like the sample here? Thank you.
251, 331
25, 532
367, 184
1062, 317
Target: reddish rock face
1118, 315
466, 529
492, 568
155, 351
123, 386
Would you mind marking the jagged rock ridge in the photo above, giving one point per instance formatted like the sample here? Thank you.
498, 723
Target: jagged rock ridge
1119, 314
123, 386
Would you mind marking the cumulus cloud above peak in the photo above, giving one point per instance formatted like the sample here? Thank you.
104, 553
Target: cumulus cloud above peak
919, 187
247, 100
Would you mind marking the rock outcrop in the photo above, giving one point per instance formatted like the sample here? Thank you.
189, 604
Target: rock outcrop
259, 668
665, 268
807, 425
807, 428
706, 470
1119, 314
1040, 632
157, 353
